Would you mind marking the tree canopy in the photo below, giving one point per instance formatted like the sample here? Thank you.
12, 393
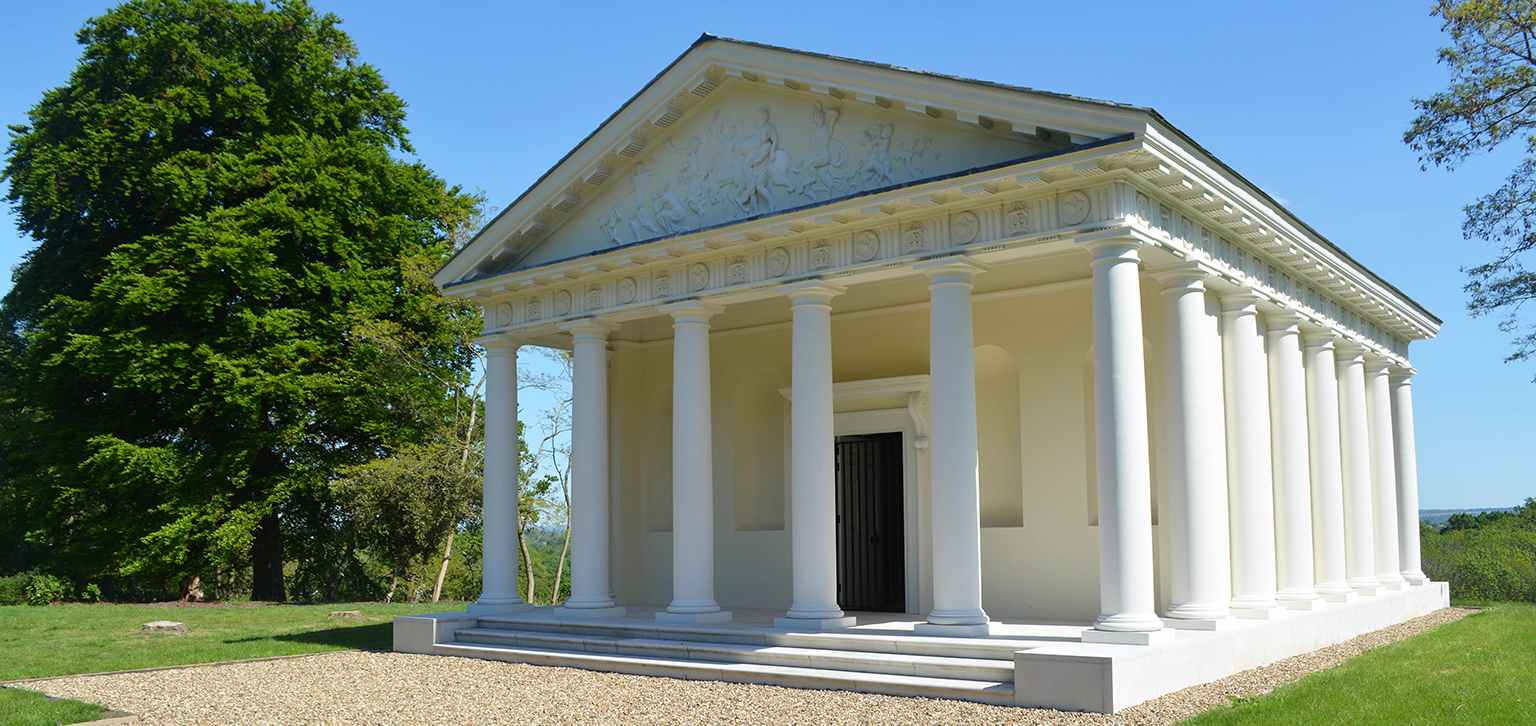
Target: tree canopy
1491, 99
229, 300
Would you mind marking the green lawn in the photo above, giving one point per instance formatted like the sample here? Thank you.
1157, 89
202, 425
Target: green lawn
1478, 670
67, 639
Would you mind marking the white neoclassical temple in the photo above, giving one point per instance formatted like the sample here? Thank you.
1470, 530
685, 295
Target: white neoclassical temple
899, 382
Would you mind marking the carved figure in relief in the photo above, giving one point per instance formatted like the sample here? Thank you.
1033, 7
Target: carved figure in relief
669, 211
727, 174
875, 172
637, 180
767, 165
824, 170
690, 176
610, 224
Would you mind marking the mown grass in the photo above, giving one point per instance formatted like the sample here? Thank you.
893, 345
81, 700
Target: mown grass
59, 640
1478, 670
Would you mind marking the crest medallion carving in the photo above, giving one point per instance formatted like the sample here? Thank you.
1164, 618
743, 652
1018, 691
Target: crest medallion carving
1018, 219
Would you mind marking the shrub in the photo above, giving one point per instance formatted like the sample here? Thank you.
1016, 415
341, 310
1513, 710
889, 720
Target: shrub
44, 589
13, 589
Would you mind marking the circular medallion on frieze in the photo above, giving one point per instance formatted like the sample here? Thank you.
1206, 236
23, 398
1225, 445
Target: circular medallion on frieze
698, 277
563, 302
504, 315
866, 246
1073, 208
778, 262
627, 290
1143, 207
963, 228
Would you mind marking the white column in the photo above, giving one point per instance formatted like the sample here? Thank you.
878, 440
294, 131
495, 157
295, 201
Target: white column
1197, 485
1355, 444
956, 505
1326, 465
498, 508
1249, 487
1407, 476
1378, 403
1123, 458
1290, 461
813, 494
589, 472
693, 476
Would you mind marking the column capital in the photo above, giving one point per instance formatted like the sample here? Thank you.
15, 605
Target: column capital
589, 329
695, 312
944, 271
1113, 248
1348, 351
1376, 364
812, 293
1242, 300
1283, 321
1181, 276
1317, 336
1402, 375
500, 343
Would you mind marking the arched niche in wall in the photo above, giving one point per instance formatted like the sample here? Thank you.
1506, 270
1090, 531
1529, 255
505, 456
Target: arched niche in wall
758, 415
658, 460
1000, 469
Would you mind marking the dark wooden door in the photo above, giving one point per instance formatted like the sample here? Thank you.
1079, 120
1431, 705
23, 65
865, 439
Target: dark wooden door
871, 553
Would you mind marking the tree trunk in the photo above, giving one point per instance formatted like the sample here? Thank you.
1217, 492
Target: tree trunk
393, 581
334, 587
554, 594
437, 590
267, 561
527, 561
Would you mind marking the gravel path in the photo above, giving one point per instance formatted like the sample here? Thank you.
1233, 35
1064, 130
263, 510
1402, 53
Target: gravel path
384, 688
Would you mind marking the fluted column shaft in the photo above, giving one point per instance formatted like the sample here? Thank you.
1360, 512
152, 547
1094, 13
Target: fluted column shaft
813, 494
1197, 486
1326, 463
1378, 401
1249, 487
956, 505
693, 500
1123, 458
1290, 463
1355, 444
589, 466
498, 588
1407, 476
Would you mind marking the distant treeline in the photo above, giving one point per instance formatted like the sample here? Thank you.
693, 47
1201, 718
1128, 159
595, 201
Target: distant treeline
1439, 518
1486, 556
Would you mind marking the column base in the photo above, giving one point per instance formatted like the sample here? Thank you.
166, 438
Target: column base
718, 616
1312, 604
1129, 637
846, 621
1416, 579
1395, 586
1207, 624
953, 631
589, 613
1340, 596
1366, 590
1255, 613
508, 608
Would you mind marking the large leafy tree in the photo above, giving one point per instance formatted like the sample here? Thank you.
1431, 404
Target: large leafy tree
231, 259
1491, 99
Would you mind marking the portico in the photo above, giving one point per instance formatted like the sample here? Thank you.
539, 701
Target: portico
1122, 387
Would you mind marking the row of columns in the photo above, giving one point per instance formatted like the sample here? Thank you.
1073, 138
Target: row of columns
1302, 501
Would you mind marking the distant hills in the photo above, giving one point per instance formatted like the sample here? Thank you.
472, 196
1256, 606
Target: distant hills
1438, 517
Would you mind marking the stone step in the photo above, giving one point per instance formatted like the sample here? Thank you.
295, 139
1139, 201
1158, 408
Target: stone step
740, 634
997, 693
995, 670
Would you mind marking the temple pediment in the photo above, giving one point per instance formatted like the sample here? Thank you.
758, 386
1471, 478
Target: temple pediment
735, 131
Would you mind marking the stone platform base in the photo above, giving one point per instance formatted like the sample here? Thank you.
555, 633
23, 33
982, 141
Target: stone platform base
1049, 665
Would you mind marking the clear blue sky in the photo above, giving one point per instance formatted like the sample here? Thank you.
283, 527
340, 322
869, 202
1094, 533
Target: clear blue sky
1307, 99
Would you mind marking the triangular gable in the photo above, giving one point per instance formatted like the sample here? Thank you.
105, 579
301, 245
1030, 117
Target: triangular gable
733, 131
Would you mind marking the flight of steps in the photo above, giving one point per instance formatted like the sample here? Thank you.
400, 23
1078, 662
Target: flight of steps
967, 669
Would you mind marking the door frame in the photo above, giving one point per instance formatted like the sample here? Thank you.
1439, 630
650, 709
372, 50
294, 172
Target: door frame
885, 421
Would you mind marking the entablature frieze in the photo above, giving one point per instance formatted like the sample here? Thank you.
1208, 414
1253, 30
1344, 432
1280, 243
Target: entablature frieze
1003, 214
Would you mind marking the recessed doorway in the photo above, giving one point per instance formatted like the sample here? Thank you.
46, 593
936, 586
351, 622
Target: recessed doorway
871, 541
